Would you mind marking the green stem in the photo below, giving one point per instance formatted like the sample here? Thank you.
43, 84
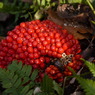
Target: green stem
91, 6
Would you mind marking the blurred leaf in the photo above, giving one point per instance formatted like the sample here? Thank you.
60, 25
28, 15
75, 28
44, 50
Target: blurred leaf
43, 2
93, 22
38, 14
30, 92
39, 2
57, 88
17, 83
47, 84
28, 71
24, 90
34, 75
6, 84
1, 4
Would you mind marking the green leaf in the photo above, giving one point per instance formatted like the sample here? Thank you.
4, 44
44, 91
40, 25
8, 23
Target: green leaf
39, 2
47, 84
91, 66
20, 65
32, 6
87, 85
3, 74
43, 93
32, 84
6, 84
93, 22
38, 14
13, 66
25, 16
48, 1
17, 83
30, 92
11, 74
43, 3
14, 62
10, 91
28, 71
1, 4
23, 70
16, 17
25, 80
57, 88
34, 75
24, 90
14, 79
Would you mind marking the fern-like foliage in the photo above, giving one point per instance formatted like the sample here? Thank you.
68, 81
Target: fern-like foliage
18, 79
50, 87
88, 85
91, 66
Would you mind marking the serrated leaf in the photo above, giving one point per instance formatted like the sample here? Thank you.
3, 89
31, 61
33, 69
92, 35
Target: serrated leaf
3, 74
57, 88
10, 91
32, 84
24, 90
11, 74
14, 62
30, 92
87, 85
13, 66
25, 80
20, 65
17, 83
28, 71
34, 75
47, 84
6, 84
91, 66
24, 70
14, 79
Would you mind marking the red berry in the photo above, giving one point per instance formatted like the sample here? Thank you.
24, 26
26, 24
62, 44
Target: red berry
30, 31
22, 24
34, 43
31, 55
60, 50
30, 49
9, 39
58, 44
19, 40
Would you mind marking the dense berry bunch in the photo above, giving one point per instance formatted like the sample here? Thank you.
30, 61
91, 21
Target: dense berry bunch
54, 73
35, 42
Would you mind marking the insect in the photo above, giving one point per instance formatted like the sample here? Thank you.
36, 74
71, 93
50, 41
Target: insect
63, 61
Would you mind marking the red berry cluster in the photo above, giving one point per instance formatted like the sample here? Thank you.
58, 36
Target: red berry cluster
54, 73
35, 42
